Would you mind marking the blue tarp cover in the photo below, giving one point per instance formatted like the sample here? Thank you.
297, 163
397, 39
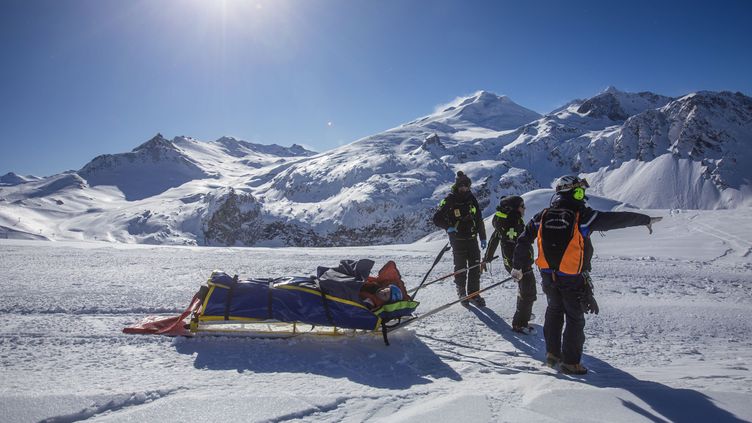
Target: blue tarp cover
300, 299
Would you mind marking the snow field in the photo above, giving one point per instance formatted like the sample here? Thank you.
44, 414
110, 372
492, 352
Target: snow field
672, 341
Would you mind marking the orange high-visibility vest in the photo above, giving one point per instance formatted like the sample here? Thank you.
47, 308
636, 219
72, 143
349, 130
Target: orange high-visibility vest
574, 255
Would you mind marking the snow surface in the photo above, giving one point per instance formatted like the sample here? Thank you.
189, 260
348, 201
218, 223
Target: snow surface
673, 341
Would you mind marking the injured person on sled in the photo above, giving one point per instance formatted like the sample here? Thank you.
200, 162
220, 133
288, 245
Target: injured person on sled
345, 297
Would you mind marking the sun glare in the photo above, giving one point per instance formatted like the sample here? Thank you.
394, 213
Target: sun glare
226, 15
224, 30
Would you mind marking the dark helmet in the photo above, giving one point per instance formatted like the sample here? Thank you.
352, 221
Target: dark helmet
569, 182
462, 180
510, 203
572, 186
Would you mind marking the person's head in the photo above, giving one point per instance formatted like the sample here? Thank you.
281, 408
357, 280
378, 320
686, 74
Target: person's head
572, 186
390, 294
511, 204
384, 294
461, 183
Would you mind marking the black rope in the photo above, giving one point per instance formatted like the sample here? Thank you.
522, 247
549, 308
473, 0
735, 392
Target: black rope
384, 331
326, 305
269, 301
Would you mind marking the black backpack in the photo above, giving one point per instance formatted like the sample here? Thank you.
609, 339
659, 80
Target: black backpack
557, 228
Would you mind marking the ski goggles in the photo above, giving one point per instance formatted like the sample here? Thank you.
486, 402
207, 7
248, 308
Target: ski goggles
577, 187
582, 183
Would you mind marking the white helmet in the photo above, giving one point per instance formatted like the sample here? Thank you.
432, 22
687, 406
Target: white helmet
569, 182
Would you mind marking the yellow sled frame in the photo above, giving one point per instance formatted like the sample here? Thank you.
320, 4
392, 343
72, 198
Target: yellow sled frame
271, 329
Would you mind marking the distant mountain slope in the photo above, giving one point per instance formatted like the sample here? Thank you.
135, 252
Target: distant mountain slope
712, 132
482, 109
383, 188
150, 169
11, 178
641, 149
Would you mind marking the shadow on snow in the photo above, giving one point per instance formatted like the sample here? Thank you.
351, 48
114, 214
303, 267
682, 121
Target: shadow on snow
365, 360
673, 404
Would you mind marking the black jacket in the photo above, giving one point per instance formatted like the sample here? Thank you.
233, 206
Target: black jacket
461, 211
591, 219
507, 228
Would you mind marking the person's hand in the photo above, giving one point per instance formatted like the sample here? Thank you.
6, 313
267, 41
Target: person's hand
653, 220
587, 300
451, 229
516, 274
483, 244
589, 305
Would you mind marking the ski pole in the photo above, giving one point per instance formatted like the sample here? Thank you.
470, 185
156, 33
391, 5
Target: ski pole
458, 272
435, 262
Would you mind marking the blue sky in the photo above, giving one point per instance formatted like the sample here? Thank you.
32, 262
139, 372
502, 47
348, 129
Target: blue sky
90, 77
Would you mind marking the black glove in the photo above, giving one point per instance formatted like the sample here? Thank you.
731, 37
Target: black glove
587, 300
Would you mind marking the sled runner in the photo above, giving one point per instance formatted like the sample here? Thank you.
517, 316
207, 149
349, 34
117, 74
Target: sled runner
337, 301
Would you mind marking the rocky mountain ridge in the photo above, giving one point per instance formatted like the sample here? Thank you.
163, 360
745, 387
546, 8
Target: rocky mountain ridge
644, 149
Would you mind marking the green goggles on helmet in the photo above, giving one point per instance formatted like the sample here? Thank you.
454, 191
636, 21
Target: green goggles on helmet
578, 193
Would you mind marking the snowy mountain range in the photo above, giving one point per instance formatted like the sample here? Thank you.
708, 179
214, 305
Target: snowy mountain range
642, 149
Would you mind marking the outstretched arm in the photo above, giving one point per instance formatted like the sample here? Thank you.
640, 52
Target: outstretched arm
606, 221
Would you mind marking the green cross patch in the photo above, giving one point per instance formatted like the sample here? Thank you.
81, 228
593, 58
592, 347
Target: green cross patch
511, 233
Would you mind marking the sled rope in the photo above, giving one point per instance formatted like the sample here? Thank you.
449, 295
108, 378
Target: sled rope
458, 272
445, 306
446, 248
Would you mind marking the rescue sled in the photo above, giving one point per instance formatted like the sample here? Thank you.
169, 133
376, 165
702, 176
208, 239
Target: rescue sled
338, 301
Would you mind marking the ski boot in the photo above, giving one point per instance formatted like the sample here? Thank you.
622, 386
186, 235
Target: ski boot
478, 301
462, 293
524, 329
552, 360
572, 369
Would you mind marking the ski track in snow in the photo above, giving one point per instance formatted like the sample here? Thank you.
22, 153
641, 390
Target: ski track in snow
672, 343
113, 405
743, 246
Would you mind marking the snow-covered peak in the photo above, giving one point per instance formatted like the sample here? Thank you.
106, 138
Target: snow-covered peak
698, 126
619, 106
488, 110
150, 169
481, 109
157, 142
483, 97
737, 105
12, 178
240, 148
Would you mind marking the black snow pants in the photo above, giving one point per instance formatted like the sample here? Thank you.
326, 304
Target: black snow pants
563, 294
526, 294
466, 254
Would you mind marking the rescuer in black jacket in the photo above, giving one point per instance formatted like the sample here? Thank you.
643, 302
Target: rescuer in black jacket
508, 225
562, 232
460, 215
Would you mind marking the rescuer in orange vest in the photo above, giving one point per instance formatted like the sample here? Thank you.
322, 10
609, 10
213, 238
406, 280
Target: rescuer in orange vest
563, 233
